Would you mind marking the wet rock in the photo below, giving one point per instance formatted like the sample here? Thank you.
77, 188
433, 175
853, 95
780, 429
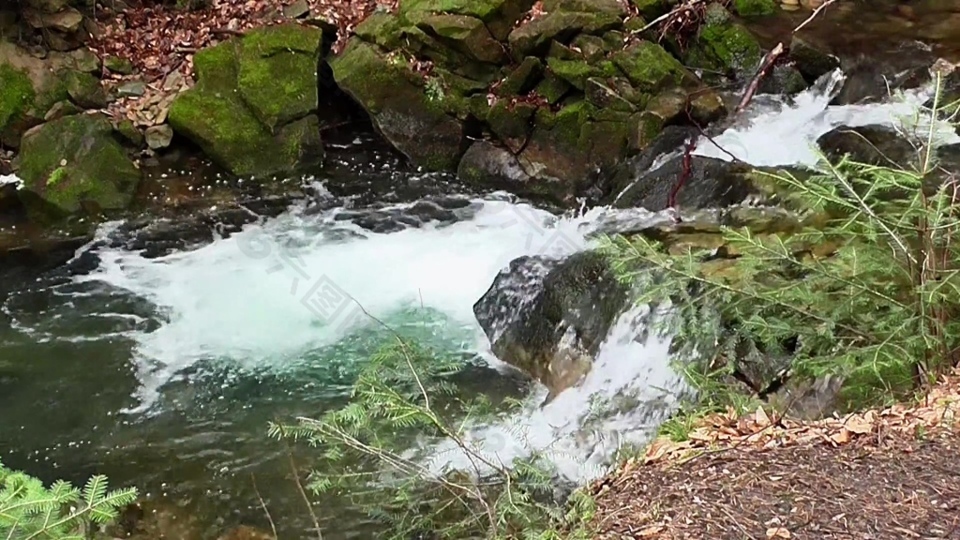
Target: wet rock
870, 79
783, 79
394, 97
710, 183
874, 145
670, 139
489, 166
73, 165
155, 520
812, 61
158, 137
241, 111
549, 318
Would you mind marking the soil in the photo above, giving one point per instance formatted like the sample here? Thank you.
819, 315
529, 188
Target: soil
884, 474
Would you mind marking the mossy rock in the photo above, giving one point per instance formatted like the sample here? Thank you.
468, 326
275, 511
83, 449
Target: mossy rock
576, 72
511, 123
16, 97
499, 16
534, 37
380, 28
84, 89
651, 68
754, 8
214, 115
724, 46
73, 165
467, 35
522, 79
552, 87
397, 101
277, 75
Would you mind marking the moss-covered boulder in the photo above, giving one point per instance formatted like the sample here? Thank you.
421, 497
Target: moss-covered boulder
277, 74
724, 46
467, 35
16, 95
408, 112
251, 109
73, 165
499, 16
651, 68
549, 318
534, 37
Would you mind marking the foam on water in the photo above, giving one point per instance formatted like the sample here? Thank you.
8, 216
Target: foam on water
779, 131
264, 297
273, 292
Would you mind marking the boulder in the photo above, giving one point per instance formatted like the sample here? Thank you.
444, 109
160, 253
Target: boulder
874, 145
396, 99
248, 111
277, 72
724, 46
711, 183
548, 318
534, 37
486, 165
650, 68
499, 16
467, 35
812, 61
17, 95
30, 87
72, 165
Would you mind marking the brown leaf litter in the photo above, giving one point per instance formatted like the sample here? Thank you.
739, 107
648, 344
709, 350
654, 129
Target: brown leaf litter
874, 475
160, 42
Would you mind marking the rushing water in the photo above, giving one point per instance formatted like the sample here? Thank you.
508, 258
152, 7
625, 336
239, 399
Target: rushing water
163, 372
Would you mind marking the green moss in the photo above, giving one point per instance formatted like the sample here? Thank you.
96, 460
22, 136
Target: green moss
270, 40
16, 94
754, 8
576, 72
552, 88
72, 164
214, 114
649, 67
484, 10
652, 8
380, 28
732, 45
277, 72
56, 176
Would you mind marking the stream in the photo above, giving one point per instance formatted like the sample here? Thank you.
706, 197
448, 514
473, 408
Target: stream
163, 372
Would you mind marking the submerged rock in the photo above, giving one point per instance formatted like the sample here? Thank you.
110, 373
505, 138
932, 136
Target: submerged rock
549, 318
252, 108
73, 164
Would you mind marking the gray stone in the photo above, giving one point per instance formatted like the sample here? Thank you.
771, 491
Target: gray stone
158, 137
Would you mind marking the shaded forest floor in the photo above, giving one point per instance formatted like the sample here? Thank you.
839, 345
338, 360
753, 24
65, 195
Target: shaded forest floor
879, 474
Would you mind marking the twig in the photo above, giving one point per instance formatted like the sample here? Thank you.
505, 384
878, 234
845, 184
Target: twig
771, 57
768, 61
273, 526
303, 492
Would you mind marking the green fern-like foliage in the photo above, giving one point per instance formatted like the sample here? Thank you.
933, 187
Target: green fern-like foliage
865, 287
31, 511
403, 394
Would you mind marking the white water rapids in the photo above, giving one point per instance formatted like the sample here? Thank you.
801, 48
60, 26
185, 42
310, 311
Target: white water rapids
264, 297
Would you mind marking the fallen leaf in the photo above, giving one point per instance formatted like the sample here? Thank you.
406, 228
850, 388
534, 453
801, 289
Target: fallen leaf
778, 532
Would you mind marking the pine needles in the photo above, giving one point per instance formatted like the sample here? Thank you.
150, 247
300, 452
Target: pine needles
31, 511
403, 395
866, 290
